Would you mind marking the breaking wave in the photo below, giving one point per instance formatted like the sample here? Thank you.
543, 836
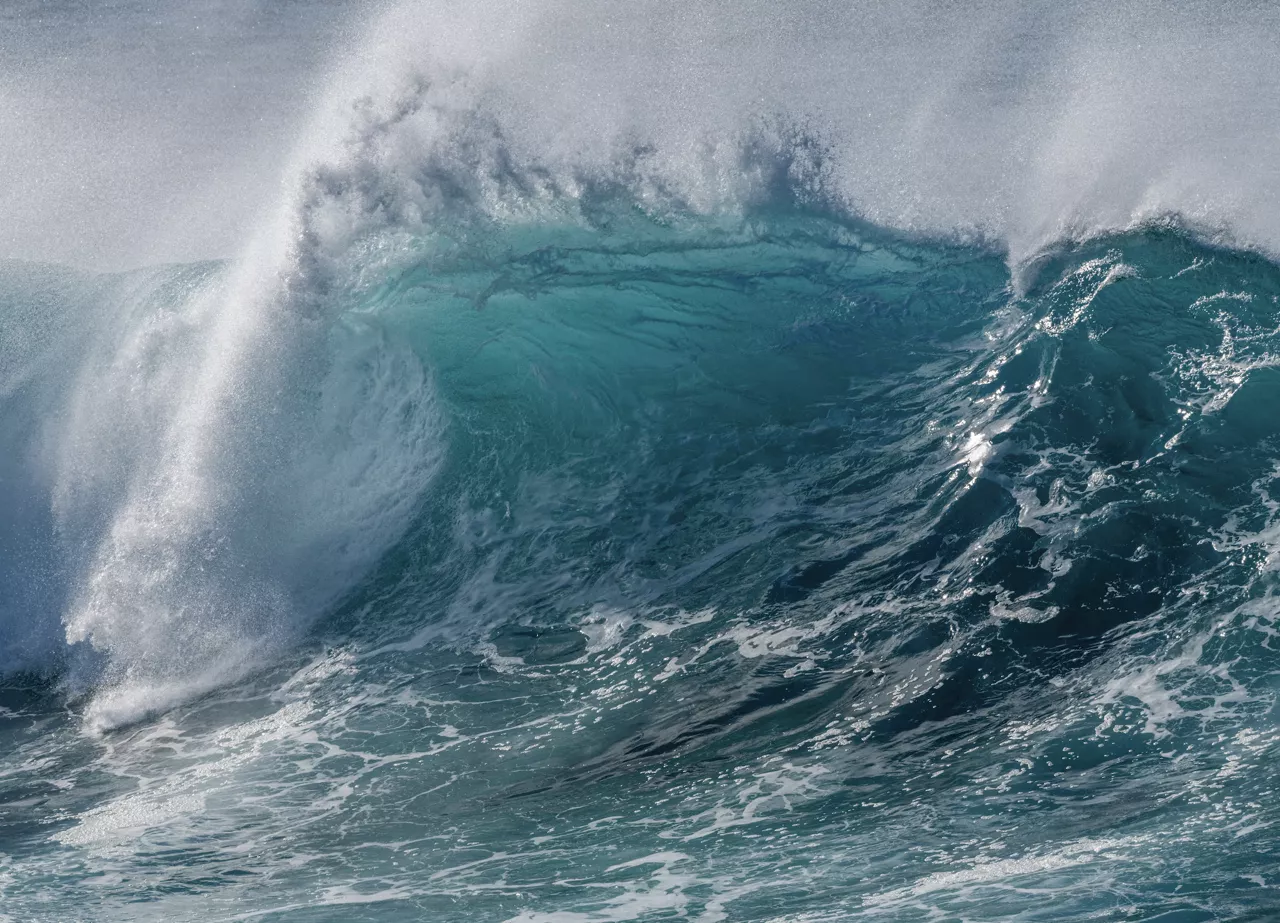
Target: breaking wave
793, 466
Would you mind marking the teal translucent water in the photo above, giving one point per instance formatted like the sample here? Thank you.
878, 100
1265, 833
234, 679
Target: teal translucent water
781, 570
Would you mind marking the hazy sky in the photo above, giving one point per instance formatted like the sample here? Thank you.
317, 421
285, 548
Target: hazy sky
137, 131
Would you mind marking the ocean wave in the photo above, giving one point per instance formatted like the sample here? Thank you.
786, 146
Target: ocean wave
640, 470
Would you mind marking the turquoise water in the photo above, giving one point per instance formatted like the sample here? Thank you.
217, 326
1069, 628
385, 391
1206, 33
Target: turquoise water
549, 462
774, 568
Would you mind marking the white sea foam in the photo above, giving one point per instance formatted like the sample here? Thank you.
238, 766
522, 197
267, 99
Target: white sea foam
236, 456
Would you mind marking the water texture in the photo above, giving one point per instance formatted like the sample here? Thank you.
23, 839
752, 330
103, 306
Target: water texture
706, 462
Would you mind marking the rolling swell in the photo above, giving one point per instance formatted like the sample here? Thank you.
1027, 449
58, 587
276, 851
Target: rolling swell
890, 423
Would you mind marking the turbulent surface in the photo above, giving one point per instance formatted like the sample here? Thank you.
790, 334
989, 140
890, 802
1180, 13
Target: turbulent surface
716, 461
781, 570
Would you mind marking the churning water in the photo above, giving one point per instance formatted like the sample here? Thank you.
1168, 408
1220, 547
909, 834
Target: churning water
539, 462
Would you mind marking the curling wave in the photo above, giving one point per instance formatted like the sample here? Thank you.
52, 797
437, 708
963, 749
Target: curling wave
582, 500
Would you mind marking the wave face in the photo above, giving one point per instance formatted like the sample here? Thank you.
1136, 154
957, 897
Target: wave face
581, 501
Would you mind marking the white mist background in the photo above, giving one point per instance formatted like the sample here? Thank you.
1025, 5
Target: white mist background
136, 132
